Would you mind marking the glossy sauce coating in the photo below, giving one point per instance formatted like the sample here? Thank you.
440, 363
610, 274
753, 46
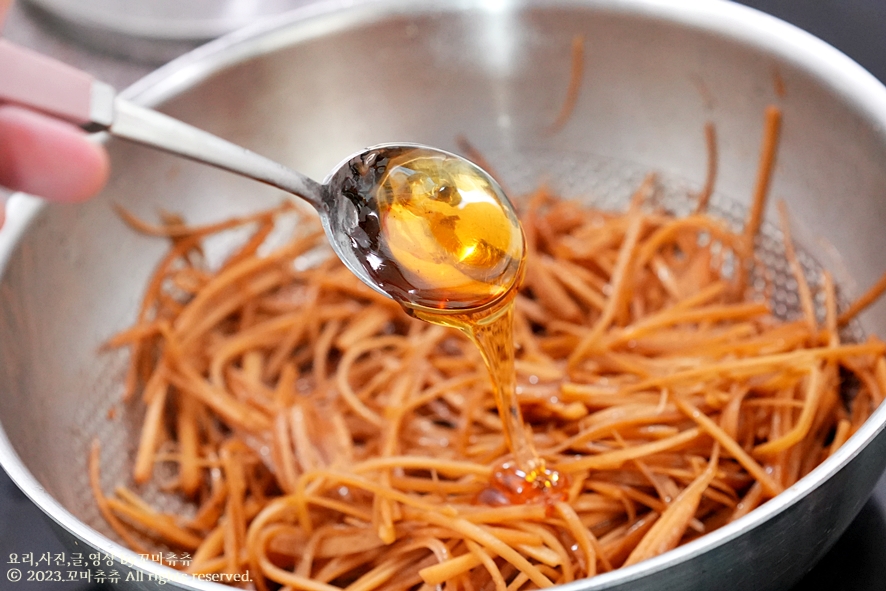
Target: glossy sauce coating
513, 486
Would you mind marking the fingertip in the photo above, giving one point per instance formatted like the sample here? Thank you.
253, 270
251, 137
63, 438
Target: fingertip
93, 170
49, 158
5, 5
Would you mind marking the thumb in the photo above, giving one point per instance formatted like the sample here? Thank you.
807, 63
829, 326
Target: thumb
48, 158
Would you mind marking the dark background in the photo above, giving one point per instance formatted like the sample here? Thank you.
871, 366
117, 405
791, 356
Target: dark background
858, 560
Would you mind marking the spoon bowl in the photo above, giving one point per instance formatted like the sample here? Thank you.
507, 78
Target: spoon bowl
424, 226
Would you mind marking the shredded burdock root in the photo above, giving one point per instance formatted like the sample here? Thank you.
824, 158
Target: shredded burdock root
329, 441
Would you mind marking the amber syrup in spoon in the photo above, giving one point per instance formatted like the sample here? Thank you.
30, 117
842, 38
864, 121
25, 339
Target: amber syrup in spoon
447, 245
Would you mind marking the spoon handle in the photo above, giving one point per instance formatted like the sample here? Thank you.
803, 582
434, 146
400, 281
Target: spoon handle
154, 129
34, 80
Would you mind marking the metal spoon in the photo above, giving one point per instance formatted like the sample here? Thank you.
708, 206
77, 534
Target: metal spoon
347, 200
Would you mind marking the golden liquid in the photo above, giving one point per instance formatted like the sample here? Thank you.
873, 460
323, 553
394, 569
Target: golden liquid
446, 238
526, 479
458, 252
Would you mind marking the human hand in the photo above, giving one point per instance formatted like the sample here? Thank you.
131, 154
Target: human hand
47, 157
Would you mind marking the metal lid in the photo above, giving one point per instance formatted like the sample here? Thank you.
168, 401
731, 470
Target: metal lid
155, 31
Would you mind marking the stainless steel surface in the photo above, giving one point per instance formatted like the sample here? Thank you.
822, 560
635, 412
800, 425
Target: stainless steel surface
656, 72
29, 28
155, 30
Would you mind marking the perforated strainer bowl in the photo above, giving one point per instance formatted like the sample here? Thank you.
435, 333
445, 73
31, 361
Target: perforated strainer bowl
332, 78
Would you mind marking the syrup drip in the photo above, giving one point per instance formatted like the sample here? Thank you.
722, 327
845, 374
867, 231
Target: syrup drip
441, 240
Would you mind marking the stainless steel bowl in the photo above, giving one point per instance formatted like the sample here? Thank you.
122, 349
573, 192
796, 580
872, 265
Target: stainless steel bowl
332, 78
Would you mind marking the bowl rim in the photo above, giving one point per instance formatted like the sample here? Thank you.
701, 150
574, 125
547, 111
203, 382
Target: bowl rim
113, 18
739, 23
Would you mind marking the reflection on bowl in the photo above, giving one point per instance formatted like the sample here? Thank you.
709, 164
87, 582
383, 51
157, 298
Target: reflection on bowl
155, 31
